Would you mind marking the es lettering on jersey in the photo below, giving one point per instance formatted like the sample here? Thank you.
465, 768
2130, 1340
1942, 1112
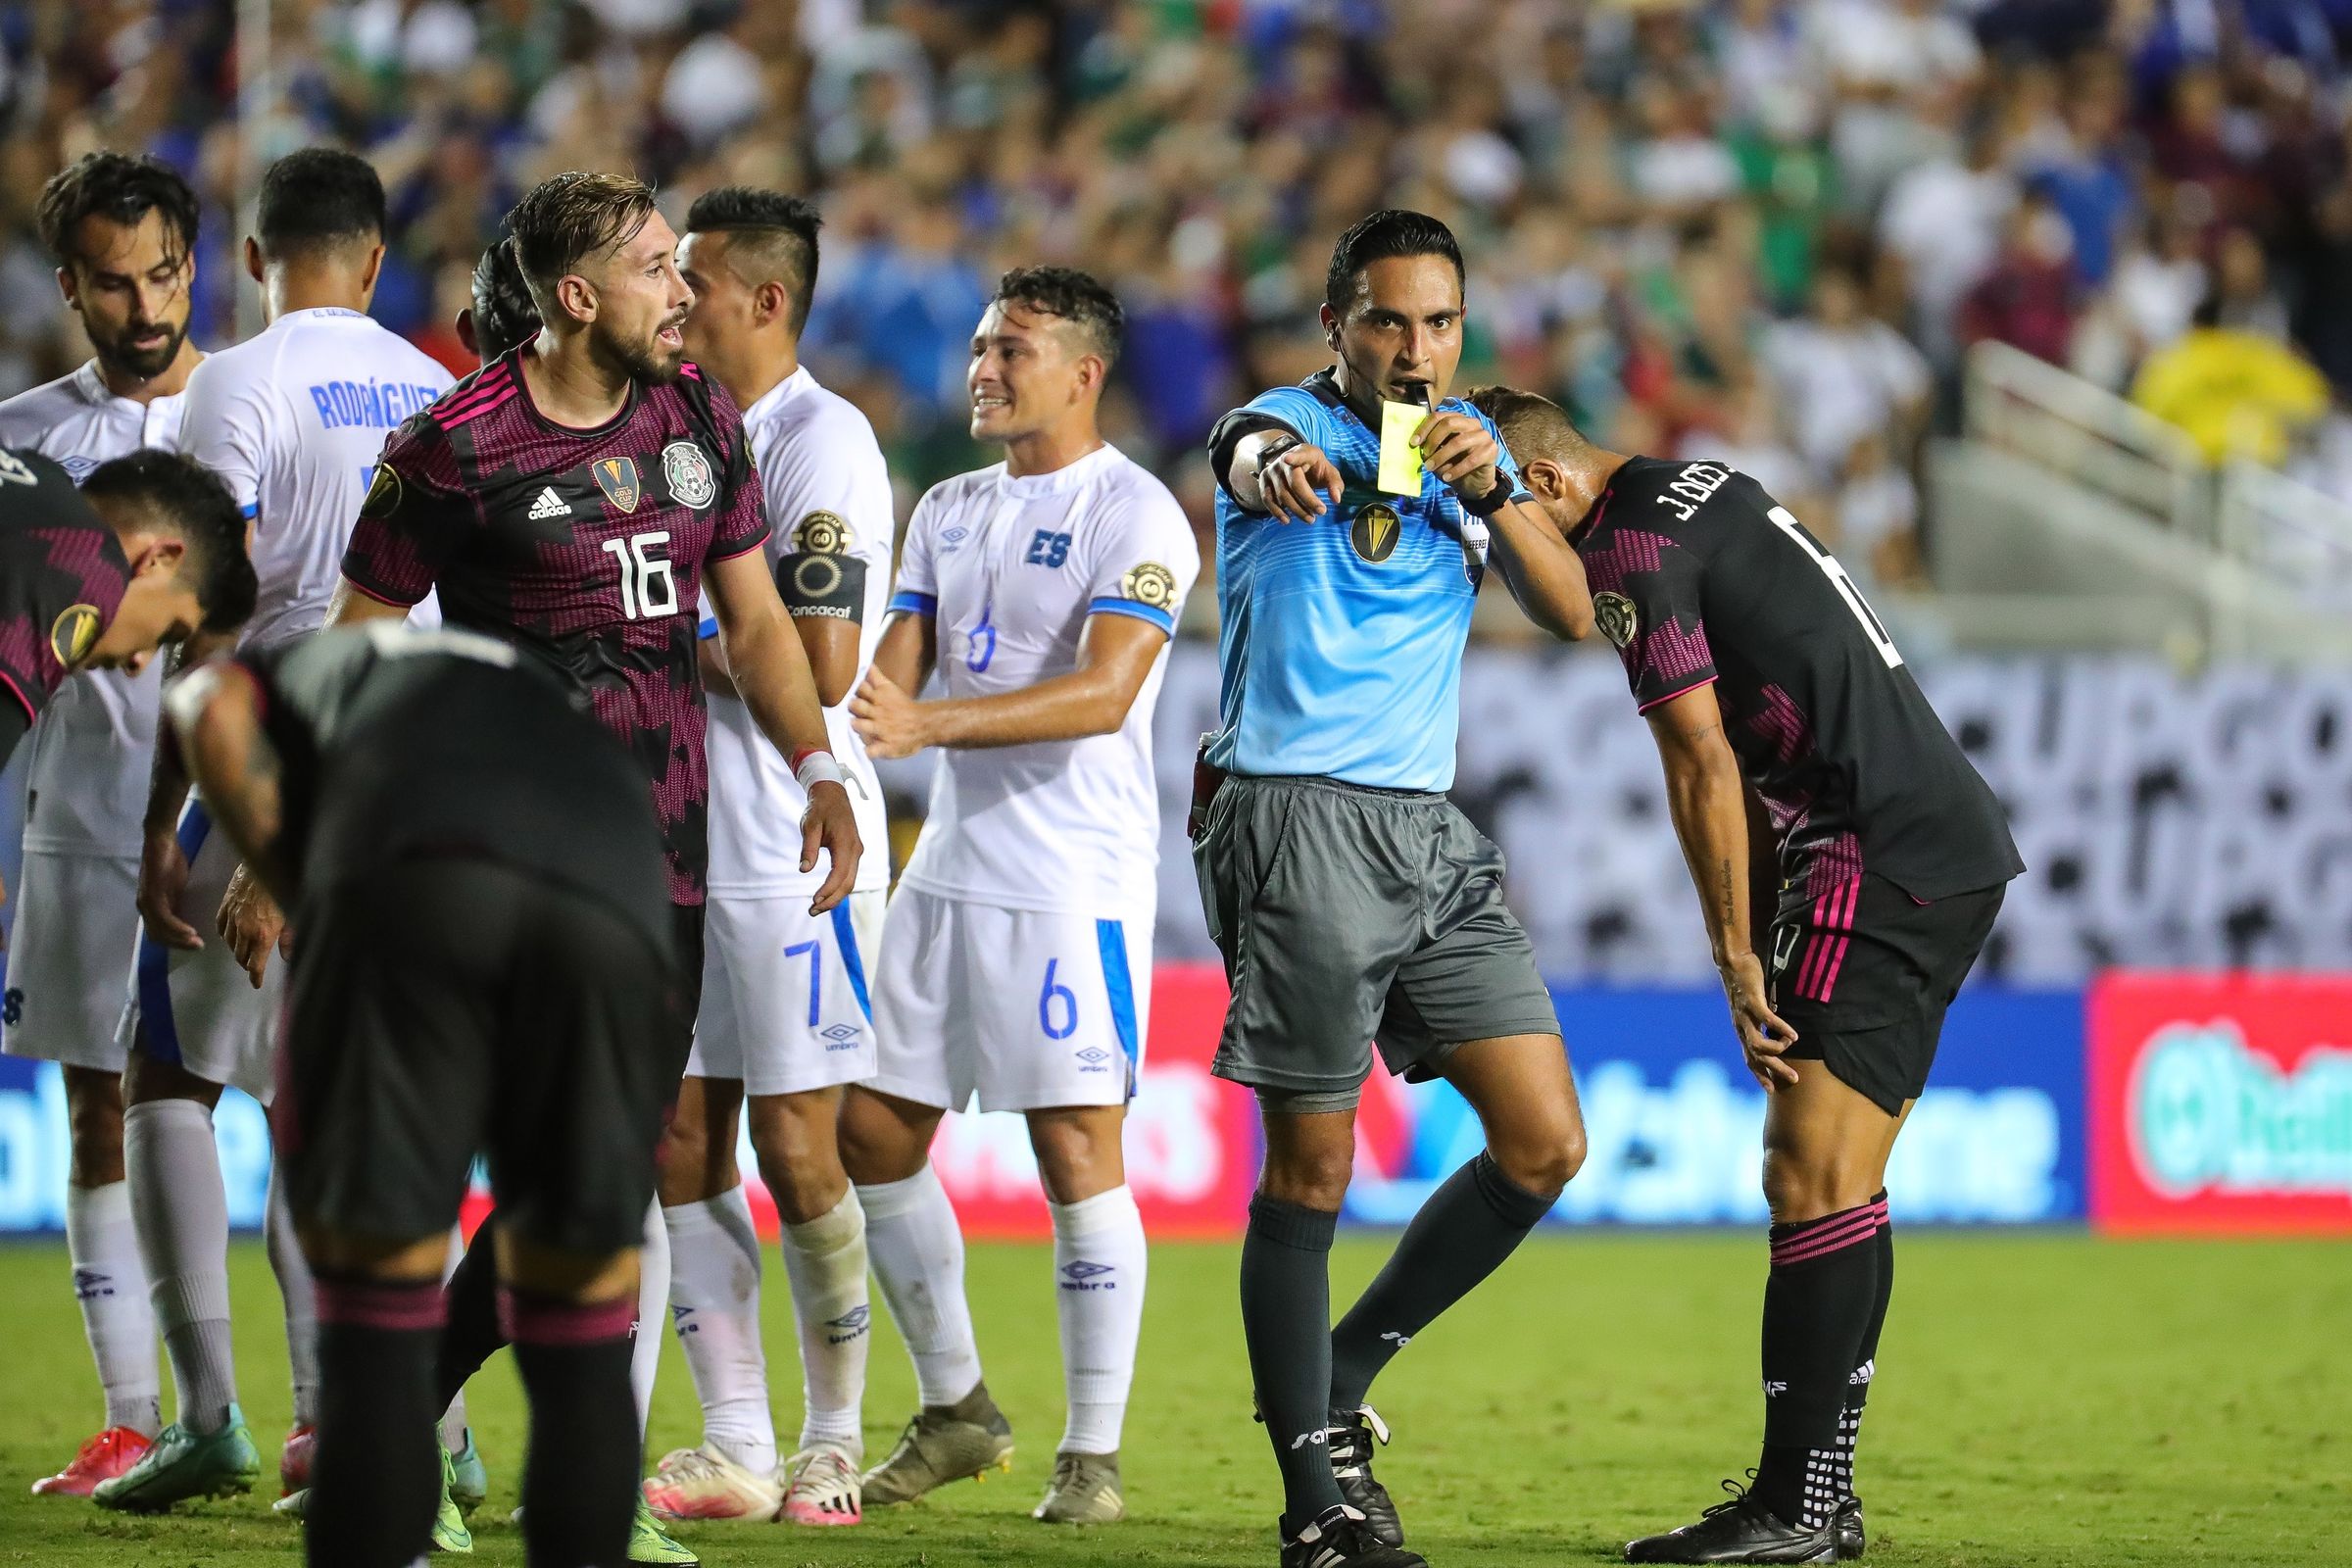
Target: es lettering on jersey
1340, 640
586, 547
278, 418
1010, 569
94, 748
828, 493
1699, 577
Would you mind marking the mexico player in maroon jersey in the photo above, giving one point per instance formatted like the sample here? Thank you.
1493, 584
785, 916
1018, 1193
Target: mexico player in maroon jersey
579, 496
149, 550
1763, 672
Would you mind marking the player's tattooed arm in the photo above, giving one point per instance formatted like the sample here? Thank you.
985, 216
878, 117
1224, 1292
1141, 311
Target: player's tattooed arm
770, 670
163, 863
1708, 801
1115, 655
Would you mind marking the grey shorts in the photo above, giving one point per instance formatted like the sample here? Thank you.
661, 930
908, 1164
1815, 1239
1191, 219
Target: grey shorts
1350, 917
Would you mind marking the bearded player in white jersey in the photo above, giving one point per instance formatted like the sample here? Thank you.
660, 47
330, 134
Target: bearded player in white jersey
123, 231
293, 420
1017, 961
785, 1017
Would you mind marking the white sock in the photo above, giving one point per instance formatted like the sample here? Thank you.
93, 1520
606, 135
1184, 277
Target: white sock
1099, 1267
453, 1419
826, 1260
300, 1294
917, 1251
112, 1286
714, 1306
180, 1211
653, 1305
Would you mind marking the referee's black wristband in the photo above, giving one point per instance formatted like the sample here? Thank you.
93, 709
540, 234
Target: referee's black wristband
1492, 502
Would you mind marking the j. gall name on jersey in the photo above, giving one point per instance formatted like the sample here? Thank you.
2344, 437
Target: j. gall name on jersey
1695, 485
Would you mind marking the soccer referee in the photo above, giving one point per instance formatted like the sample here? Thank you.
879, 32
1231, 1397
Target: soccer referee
1352, 902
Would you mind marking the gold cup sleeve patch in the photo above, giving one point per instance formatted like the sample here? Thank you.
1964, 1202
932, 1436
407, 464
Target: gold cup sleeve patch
383, 493
1150, 584
74, 633
1615, 616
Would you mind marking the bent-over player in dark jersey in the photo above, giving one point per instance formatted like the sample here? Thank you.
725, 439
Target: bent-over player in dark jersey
1762, 671
149, 550
579, 496
486, 946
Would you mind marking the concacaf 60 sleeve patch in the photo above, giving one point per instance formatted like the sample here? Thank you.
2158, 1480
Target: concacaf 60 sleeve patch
74, 633
822, 533
1616, 617
1150, 584
383, 493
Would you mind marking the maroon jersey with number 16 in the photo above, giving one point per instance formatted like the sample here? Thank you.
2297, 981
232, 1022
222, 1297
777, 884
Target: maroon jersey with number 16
584, 547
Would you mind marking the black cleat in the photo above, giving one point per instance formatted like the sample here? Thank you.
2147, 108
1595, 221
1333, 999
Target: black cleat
1352, 1438
1851, 1544
1741, 1530
1340, 1540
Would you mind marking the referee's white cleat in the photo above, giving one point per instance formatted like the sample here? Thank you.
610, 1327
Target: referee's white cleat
705, 1484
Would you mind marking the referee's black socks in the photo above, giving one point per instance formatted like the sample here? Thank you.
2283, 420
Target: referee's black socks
579, 1483
1461, 1235
1819, 1303
1286, 1322
376, 1478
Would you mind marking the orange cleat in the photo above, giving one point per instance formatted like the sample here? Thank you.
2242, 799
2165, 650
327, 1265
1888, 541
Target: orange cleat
294, 1459
105, 1456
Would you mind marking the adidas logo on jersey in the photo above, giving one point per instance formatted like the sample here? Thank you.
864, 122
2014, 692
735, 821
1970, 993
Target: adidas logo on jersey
549, 504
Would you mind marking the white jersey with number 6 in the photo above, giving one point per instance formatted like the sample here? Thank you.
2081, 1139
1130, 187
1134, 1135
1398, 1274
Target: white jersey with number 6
294, 419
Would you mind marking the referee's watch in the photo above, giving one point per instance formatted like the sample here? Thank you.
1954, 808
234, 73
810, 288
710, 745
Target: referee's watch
1274, 450
1493, 501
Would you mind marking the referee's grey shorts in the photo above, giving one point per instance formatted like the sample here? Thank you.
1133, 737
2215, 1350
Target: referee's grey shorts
1348, 916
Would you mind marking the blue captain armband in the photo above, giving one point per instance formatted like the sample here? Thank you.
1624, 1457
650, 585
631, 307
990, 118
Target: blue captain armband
1153, 614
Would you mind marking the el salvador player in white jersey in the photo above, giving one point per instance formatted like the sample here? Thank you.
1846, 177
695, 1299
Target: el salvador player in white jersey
293, 420
122, 231
1017, 961
786, 1013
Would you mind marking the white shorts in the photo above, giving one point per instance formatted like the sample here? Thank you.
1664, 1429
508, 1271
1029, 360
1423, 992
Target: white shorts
198, 1009
785, 1005
69, 960
1029, 1008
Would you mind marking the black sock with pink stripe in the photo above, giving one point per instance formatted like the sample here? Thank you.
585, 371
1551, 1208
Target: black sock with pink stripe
1818, 1304
1866, 1365
376, 1478
579, 1483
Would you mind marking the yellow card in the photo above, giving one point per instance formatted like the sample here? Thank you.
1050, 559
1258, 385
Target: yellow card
1399, 459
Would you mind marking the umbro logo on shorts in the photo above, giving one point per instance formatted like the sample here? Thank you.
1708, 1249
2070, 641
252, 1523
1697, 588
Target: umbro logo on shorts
1094, 1057
549, 504
843, 1037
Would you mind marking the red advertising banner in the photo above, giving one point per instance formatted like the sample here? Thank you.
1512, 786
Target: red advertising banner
2220, 1102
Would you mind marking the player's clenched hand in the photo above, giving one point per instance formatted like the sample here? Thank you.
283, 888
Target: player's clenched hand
163, 878
1763, 1037
251, 923
886, 718
1293, 486
829, 824
1461, 450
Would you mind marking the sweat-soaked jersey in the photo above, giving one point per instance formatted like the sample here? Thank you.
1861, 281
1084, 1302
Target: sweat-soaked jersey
586, 548
1699, 576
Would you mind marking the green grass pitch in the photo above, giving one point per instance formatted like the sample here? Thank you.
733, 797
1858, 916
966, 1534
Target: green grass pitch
2043, 1398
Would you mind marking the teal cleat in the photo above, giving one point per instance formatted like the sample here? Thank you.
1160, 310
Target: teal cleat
184, 1464
469, 1477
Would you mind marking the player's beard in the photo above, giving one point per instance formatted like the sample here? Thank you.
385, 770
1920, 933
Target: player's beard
647, 362
142, 364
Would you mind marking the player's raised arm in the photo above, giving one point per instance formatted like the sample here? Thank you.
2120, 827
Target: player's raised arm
1544, 577
1708, 803
771, 671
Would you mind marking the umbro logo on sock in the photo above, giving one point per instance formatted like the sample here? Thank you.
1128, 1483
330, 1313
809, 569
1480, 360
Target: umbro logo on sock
851, 1325
1085, 1276
550, 505
89, 1283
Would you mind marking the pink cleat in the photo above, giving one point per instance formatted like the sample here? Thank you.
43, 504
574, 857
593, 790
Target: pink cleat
105, 1456
294, 1461
824, 1488
705, 1484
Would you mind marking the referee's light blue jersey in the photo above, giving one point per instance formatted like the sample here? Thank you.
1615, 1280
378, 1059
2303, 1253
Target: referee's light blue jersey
1341, 639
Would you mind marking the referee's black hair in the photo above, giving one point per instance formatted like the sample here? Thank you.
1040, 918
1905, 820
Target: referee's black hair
320, 196
504, 315
121, 188
1391, 232
187, 499
1079, 298
780, 230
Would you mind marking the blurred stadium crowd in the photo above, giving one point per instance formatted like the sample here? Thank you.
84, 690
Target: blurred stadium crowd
1764, 230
